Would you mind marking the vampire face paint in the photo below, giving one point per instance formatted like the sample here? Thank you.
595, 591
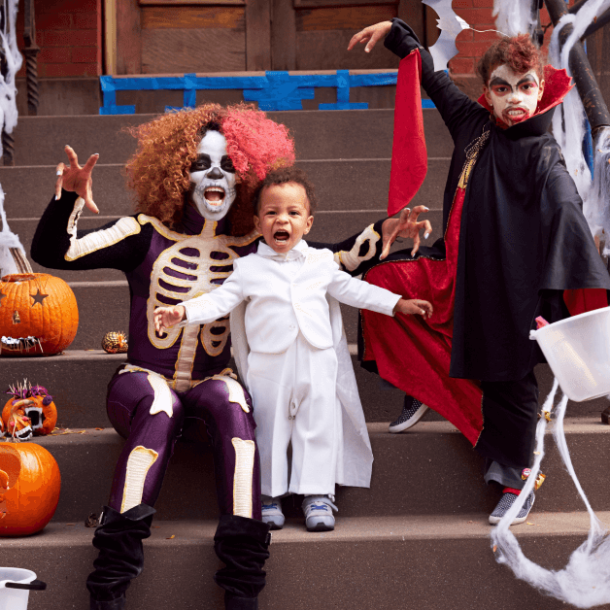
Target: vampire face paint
212, 177
513, 97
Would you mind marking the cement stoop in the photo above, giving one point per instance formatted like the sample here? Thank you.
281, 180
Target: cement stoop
424, 562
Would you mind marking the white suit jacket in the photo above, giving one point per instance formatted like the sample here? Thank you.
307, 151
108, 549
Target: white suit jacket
282, 299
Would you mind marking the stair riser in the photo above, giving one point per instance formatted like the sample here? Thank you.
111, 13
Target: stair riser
430, 471
426, 574
328, 227
317, 135
340, 185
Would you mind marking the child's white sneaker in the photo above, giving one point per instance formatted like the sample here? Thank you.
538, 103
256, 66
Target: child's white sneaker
318, 511
272, 512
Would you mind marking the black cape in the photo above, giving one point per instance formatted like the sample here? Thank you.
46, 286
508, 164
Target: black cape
523, 240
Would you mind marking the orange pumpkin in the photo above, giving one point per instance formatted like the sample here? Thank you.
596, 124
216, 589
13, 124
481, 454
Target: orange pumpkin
29, 488
38, 314
31, 403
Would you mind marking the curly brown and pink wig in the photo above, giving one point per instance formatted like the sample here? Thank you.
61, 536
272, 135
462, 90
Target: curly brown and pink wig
167, 147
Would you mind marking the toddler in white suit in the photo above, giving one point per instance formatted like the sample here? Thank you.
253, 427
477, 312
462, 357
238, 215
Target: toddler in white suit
296, 365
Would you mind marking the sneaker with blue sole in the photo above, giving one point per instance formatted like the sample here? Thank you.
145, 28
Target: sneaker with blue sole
318, 511
503, 506
272, 512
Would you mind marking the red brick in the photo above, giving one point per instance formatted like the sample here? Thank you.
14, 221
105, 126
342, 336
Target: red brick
461, 65
54, 21
69, 38
54, 55
84, 55
67, 70
462, 4
474, 16
483, 3
472, 49
465, 35
85, 21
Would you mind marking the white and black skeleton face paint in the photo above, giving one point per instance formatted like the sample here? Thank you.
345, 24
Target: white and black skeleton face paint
213, 177
513, 97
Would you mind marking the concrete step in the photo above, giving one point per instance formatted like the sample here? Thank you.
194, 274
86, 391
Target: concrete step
335, 181
432, 469
318, 134
419, 563
329, 227
78, 380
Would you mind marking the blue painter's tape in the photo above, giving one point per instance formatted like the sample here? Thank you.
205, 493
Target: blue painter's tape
106, 110
344, 106
373, 80
230, 82
343, 86
109, 98
427, 104
190, 92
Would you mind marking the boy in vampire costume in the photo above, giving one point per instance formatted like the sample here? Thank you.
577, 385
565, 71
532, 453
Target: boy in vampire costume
193, 173
516, 246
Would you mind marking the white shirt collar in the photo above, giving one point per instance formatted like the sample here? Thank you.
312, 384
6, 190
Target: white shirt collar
299, 251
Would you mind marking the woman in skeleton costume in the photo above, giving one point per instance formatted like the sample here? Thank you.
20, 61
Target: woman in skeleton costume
193, 174
515, 240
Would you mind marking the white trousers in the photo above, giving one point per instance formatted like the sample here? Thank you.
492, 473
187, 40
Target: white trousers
295, 402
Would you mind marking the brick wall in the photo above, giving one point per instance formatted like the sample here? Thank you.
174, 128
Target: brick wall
69, 33
471, 45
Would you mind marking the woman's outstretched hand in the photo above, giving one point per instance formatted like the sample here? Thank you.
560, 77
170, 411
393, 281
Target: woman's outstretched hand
370, 35
76, 178
404, 226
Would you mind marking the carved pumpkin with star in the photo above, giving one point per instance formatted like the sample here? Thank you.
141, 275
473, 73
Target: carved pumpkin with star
38, 314
29, 488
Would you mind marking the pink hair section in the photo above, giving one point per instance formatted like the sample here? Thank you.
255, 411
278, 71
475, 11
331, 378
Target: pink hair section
255, 143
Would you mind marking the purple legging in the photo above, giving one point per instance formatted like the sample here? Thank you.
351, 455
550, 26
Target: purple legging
130, 397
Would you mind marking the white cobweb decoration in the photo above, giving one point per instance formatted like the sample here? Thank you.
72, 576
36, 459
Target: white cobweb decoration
450, 26
569, 128
514, 17
585, 581
8, 120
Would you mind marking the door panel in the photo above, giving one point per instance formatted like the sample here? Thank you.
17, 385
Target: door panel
207, 36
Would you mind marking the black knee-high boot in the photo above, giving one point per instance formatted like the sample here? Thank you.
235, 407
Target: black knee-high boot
119, 541
242, 545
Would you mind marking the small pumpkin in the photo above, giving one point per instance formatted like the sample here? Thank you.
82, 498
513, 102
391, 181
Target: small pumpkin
38, 314
30, 482
33, 403
115, 342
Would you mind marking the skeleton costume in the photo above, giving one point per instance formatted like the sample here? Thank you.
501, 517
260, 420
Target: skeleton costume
177, 383
514, 240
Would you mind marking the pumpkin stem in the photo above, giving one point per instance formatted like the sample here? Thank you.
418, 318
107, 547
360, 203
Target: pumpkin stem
23, 265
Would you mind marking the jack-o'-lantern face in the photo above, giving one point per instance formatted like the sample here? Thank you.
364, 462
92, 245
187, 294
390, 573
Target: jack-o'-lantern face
31, 403
18, 424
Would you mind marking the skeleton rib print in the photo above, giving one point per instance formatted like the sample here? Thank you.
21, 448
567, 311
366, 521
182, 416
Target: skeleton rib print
193, 266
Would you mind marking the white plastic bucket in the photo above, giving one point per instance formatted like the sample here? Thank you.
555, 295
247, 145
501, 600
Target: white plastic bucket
578, 351
15, 587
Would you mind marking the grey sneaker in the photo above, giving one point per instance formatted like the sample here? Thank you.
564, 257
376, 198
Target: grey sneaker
506, 501
412, 411
272, 512
318, 511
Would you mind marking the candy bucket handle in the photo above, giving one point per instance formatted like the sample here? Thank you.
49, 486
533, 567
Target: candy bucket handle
35, 585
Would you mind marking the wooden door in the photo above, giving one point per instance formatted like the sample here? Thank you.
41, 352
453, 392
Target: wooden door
208, 36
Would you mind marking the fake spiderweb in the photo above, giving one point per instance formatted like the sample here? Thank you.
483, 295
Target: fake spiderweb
585, 581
